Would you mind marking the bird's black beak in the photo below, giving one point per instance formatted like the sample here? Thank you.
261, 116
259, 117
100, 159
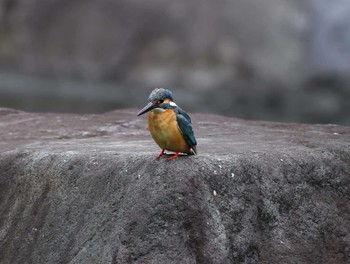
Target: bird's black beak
150, 106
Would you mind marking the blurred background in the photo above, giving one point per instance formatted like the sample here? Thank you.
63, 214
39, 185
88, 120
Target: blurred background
280, 60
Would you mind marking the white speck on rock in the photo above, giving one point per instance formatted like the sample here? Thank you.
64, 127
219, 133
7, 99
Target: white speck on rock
215, 172
214, 193
335, 133
281, 159
232, 174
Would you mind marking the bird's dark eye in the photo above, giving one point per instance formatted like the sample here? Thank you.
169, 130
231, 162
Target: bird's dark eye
160, 101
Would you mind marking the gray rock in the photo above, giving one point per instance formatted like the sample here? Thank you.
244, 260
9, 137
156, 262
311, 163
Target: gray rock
88, 189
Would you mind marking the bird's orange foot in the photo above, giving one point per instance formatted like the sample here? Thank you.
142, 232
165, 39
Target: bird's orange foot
161, 153
175, 156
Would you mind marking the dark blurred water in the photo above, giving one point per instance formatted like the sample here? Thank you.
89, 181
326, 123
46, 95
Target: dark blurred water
325, 100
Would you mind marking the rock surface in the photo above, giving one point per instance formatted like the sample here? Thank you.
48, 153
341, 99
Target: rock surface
88, 189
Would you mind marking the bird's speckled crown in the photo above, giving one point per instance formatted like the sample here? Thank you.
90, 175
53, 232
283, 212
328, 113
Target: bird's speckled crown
160, 94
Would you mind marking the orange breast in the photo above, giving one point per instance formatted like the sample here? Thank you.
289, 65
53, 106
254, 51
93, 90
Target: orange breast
165, 131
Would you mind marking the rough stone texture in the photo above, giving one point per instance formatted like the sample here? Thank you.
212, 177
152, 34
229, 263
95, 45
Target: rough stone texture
87, 189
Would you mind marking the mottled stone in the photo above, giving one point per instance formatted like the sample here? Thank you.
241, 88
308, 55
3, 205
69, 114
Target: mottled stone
88, 189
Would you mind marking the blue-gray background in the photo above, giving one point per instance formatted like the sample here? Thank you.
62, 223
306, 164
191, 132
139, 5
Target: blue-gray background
282, 60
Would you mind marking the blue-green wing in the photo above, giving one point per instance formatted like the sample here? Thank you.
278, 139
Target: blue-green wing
185, 125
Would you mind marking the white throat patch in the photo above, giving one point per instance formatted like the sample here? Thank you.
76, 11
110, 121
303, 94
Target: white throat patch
158, 110
172, 104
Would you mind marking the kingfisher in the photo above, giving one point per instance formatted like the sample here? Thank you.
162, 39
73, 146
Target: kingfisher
170, 126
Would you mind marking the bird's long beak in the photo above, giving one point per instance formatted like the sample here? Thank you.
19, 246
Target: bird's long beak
147, 108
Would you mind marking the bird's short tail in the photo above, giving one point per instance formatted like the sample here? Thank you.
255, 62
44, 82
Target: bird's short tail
194, 150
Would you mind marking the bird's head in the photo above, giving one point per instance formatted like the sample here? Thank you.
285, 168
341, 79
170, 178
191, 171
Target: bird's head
157, 97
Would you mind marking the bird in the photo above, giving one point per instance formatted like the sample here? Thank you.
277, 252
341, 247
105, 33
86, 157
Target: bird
169, 125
